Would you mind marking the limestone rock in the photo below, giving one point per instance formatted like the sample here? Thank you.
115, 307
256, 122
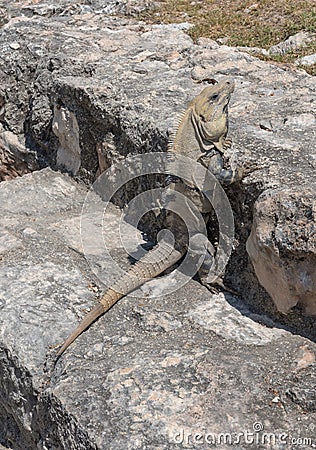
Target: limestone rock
4, 16
307, 60
282, 246
292, 43
254, 50
170, 363
65, 127
125, 82
15, 160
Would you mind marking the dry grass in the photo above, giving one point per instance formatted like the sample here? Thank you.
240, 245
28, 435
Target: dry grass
260, 23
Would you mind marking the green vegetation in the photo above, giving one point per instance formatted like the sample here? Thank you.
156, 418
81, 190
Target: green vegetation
260, 23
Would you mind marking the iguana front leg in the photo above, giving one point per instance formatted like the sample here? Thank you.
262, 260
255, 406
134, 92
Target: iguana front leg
230, 176
223, 144
224, 176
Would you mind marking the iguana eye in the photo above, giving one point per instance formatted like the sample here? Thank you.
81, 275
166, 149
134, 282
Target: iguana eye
214, 97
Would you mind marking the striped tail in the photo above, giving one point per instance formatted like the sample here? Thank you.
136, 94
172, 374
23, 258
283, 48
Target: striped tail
152, 264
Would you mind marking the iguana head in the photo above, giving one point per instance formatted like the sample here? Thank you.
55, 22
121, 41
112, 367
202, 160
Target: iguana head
210, 114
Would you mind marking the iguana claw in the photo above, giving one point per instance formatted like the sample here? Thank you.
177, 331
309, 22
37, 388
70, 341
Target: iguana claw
218, 285
247, 168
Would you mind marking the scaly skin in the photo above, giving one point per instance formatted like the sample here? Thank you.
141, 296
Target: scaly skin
201, 131
204, 124
151, 265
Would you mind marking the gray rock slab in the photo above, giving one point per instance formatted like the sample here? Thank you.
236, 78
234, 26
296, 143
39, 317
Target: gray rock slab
292, 43
131, 79
158, 368
123, 83
282, 246
152, 372
8, 241
307, 60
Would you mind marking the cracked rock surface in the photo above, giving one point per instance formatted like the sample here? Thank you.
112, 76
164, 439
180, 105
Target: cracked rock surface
282, 246
149, 372
82, 86
81, 89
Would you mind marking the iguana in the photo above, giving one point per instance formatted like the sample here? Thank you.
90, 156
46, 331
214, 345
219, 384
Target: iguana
200, 135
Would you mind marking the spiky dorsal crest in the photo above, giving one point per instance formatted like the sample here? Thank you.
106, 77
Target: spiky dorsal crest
173, 134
